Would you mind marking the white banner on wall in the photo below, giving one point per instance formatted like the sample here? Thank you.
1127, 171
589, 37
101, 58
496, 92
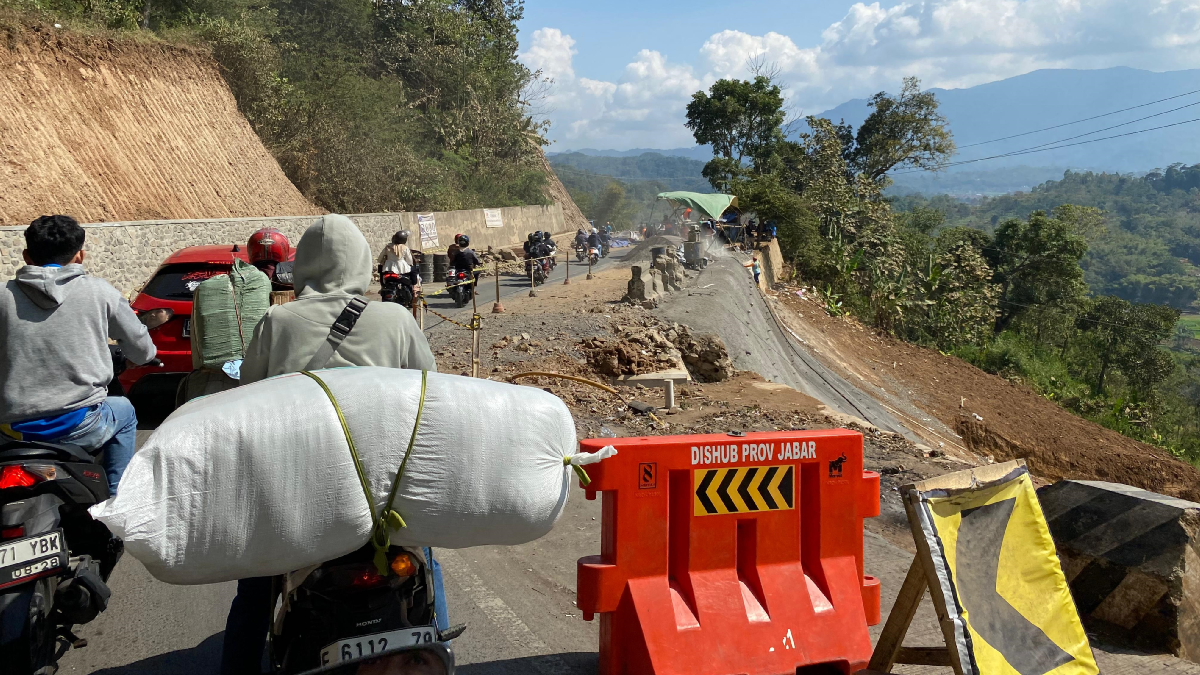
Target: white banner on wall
493, 218
429, 235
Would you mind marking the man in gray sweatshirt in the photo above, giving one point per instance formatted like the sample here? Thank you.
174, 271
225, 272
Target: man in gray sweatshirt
55, 365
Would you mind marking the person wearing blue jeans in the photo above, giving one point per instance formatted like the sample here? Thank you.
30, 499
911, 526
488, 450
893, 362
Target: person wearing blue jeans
55, 364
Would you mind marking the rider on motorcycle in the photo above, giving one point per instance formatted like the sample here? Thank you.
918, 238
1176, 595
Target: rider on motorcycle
594, 240
464, 259
396, 258
581, 238
55, 365
333, 270
269, 250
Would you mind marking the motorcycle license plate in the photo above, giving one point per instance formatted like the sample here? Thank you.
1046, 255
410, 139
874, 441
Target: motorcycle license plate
23, 559
368, 645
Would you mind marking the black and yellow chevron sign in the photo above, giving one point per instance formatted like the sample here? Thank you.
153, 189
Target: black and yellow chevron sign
744, 489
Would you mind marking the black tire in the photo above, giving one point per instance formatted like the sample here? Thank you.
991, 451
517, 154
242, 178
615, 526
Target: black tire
28, 631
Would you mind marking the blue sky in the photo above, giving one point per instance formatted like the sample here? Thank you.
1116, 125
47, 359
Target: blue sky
623, 70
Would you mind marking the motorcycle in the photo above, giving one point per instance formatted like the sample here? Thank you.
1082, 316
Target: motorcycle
604, 247
55, 559
346, 610
397, 288
461, 288
593, 255
537, 269
580, 252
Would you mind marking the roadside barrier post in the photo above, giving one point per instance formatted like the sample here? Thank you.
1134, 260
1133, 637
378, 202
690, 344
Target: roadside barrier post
567, 259
497, 308
731, 553
476, 322
589, 276
532, 292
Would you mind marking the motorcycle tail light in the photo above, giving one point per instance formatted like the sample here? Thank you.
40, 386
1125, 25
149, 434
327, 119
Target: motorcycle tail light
15, 476
12, 532
369, 577
403, 565
153, 318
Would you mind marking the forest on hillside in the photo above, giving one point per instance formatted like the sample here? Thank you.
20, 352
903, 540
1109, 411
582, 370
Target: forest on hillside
1074, 289
367, 106
1145, 247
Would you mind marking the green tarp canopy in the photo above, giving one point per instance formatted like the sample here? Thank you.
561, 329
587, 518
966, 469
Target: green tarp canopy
712, 205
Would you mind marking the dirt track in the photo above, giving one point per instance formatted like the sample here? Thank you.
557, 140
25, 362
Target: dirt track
108, 130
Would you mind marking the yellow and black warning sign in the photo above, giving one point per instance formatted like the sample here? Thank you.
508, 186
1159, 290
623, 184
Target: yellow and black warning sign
744, 489
998, 571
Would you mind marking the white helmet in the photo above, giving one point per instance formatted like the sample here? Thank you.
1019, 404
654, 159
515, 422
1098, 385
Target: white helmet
595, 231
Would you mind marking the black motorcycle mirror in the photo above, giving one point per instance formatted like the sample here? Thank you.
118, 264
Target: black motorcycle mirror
432, 659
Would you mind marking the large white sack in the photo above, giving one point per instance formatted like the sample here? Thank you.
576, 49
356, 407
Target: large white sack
258, 480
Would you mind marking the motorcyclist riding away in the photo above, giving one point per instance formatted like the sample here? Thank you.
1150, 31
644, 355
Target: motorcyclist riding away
593, 240
269, 250
396, 258
580, 238
55, 365
465, 259
332, 272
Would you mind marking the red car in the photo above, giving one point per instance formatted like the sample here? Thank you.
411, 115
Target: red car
165, 306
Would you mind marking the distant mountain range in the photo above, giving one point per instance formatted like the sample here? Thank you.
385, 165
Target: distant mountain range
980, 116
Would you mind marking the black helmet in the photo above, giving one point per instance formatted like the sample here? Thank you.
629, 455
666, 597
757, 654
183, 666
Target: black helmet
532, 236
400, 237
537, 237
462, 240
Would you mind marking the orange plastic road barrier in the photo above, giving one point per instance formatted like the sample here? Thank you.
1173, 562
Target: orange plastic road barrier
732, 554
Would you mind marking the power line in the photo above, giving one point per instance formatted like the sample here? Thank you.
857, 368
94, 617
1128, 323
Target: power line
1056, 147
1088, 119
1100, 131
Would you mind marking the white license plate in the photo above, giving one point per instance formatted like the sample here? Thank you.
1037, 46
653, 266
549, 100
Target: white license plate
369, 645
26, 558
187, 328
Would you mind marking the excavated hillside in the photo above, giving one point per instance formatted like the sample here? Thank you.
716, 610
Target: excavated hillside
556, 191
109, 130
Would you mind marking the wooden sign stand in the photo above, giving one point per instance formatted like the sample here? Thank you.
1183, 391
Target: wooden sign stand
890, 649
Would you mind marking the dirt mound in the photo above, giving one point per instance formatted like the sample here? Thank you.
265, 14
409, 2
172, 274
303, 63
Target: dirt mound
111, 130
990, 415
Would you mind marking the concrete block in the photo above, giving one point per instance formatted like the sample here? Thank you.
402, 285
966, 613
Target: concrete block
1132, 559
643, 287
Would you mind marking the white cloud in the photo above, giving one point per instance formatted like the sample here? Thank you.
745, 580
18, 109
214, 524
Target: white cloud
947, 43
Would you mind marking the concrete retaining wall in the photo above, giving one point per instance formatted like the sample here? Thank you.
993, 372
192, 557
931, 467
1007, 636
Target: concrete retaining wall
126, 254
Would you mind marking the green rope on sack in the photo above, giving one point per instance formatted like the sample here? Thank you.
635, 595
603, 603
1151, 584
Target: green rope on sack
583, 477
380, 539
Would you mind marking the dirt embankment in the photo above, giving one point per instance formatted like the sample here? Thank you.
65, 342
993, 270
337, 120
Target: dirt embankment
990, 415
110, 130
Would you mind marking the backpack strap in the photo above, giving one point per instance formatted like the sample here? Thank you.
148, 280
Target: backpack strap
338, 332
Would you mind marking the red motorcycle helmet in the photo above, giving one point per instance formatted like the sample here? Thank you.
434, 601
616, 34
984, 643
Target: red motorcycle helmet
268, 244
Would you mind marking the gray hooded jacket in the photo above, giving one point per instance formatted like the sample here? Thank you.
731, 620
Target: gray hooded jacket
54, 328
333, 264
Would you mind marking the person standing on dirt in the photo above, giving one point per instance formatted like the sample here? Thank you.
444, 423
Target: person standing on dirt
755, 267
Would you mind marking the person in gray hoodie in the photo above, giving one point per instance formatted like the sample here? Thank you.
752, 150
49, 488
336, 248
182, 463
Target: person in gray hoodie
55, 365
333, 265
332, 269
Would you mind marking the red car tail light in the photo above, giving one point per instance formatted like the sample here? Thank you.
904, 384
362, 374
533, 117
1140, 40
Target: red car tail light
12, 532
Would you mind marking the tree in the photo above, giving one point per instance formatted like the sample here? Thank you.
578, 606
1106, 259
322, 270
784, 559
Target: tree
610, 207
1126, 336
902, 131
742, 122
1036, 262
